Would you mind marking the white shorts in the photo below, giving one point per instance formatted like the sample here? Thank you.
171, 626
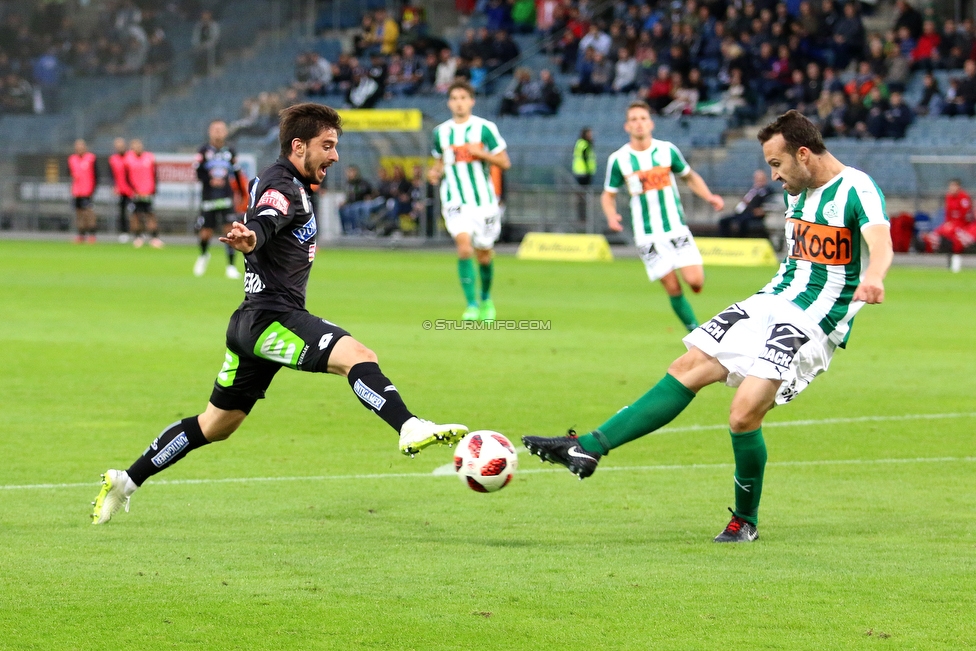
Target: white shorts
662, 254
768, 337
484, 225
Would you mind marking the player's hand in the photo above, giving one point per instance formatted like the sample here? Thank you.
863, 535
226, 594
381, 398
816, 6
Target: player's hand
871, 291
240, 238
614, 222
717, 202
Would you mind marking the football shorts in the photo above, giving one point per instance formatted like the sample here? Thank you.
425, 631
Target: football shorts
484, 224
662, 254
768, 337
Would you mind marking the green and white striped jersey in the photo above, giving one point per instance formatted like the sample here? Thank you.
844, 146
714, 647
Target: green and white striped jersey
825, 253
466, 179
655, 205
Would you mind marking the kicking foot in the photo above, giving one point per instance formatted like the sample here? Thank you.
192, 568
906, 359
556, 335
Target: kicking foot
564, 450
487, 310
417, 434
112, 497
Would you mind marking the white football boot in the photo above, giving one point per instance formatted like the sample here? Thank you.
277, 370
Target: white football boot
200, 266
232, 272
417, 434
112, 497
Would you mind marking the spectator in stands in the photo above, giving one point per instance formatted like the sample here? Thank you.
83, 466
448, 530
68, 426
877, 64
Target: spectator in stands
898, 117
964, 99
16, 95
601, 75
503, 51
685, 96
597, 39
523, 16
848, 39
319, 75
499, 15
446, 71
908, 17
624, 72
925, 55
931, 100
386, 32
365, 90
470, 47
478, 74
750, 213
342, 73
515, 94
661, 91
159, 59
362, 40
354, 212
205, 40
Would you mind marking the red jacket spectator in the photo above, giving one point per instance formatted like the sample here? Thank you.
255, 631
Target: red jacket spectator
958, 207
928, 42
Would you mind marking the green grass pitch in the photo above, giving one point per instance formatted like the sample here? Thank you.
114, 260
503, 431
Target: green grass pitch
868, 525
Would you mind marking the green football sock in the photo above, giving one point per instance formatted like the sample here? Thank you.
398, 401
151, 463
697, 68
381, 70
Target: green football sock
486, 273
466, 273
749, 449
651, 411
682, 308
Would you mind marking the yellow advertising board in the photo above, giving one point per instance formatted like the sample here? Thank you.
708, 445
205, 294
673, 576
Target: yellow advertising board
381, 119
740, 252
571, 247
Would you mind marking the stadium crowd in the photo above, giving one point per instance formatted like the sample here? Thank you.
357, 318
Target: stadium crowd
739, 59
41, 44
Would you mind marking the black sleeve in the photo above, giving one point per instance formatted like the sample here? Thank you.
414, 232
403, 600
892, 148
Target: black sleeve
202, 175
274, 209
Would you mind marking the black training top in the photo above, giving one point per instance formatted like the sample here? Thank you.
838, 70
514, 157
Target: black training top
216, 167
281, 214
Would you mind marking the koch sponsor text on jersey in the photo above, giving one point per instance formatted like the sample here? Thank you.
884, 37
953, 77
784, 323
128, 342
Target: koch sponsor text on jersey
820, 243
656, 178
276, 200
463, 155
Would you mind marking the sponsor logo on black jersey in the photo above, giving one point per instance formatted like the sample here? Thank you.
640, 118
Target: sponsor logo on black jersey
719, 324
306, 232
783, 344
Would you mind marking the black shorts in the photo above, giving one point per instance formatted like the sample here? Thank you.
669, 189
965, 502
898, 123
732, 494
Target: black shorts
260, 342
142, 205
214, 218
83, 203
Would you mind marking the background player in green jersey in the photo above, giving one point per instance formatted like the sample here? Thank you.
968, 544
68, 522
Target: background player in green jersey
771, 345
466, 147
646, 167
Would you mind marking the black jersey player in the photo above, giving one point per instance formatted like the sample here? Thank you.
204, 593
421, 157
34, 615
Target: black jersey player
219, 176
271, 329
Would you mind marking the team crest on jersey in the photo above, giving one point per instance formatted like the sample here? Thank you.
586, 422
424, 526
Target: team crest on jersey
830, 210
306, 232
276, 200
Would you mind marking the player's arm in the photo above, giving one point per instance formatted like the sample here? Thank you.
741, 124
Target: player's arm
697, 184
608, 201
273, 210
878, 239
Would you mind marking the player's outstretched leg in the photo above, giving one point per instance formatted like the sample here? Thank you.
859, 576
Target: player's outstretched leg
379, 395
173, 444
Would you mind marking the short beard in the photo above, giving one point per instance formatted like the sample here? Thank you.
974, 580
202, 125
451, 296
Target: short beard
309, 171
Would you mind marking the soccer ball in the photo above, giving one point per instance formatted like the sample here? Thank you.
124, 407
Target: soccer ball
485, 461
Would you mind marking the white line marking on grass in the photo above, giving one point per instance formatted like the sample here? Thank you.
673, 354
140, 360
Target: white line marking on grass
409, 475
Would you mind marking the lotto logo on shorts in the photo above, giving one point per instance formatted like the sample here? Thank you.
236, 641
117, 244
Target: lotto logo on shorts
719, 325
681, 242
276, 200
783, 344
819, 243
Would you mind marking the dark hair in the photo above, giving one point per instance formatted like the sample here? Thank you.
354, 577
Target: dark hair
797, 130
584, 131
639, 104
461, 84
306, 121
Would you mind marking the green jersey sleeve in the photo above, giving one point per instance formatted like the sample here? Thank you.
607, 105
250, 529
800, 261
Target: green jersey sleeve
491, 139
678, 163
615, 178
867, 206
435, 149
